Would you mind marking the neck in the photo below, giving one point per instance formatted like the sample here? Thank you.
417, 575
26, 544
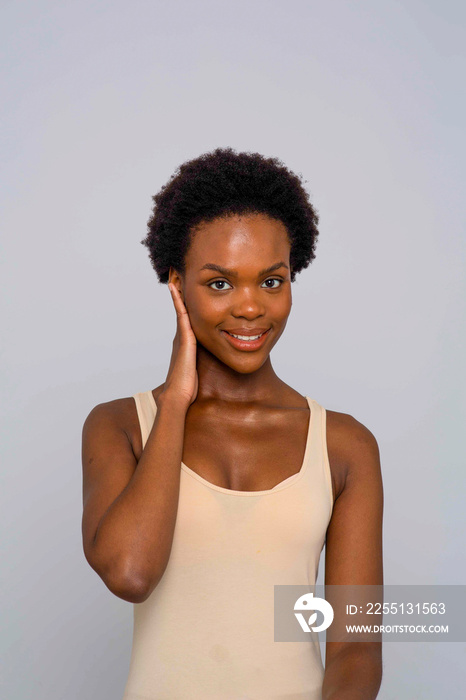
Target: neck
218, 381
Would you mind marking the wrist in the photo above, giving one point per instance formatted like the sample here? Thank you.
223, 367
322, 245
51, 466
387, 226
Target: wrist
173, 400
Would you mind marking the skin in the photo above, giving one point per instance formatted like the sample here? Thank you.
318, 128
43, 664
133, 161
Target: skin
240, 402
222, 395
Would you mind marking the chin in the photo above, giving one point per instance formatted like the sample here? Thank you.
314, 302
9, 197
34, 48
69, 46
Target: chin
245, 366
246, 370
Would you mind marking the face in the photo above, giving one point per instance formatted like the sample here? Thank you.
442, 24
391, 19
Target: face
237, 283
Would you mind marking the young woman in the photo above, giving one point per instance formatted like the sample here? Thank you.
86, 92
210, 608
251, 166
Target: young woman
204, 493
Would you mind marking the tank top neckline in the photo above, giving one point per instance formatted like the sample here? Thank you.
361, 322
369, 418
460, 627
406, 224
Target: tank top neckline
285, 483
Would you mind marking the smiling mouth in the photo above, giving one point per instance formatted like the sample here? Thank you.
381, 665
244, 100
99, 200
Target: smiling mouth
249, 338
246, 342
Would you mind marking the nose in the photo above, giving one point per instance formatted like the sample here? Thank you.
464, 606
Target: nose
247, 303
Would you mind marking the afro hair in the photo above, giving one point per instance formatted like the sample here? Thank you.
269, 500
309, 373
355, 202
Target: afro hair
223, 183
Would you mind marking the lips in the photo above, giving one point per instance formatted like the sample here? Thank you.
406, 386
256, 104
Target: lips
246, 345
246, 331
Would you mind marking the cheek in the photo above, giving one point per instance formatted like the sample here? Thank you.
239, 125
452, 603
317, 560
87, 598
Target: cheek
281, 307
204, 310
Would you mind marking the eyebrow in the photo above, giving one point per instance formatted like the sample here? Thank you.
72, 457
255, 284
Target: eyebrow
232, 273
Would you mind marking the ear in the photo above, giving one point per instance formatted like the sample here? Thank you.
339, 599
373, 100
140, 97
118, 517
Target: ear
176, 278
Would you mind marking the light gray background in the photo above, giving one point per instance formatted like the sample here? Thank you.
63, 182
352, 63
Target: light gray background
101, 102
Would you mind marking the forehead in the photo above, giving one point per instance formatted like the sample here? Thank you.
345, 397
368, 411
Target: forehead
238, 240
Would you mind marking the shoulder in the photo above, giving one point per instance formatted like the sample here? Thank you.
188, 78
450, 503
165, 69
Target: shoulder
120, 415
349, 433
116, 411
352, 448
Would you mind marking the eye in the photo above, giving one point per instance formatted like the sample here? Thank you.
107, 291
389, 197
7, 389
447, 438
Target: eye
272, 280
219, 282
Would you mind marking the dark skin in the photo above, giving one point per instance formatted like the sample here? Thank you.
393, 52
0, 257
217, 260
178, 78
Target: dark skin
234, 398
240, 402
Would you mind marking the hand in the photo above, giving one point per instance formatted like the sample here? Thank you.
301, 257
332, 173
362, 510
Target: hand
182, 378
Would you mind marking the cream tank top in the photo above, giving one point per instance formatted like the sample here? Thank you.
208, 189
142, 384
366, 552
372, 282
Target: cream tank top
207, 629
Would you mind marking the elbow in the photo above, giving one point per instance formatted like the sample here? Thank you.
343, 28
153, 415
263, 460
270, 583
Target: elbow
132, 585
132, 590
128, 584
123, 581
129, 591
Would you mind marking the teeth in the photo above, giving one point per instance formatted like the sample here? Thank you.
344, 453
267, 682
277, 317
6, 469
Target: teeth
247, 337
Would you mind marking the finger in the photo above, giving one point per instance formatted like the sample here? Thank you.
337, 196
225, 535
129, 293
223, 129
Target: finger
177, 300
181, 311
176, 296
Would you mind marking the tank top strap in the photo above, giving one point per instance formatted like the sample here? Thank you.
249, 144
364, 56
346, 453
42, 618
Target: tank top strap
316, 446
146, 410
318, 450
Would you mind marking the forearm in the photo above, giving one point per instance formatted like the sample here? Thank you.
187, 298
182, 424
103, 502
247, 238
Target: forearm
134, 538
354, 673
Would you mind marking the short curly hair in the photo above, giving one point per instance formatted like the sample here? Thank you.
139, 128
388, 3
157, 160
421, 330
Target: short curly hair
223, 183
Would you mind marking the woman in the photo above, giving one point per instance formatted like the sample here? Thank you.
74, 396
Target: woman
272, 475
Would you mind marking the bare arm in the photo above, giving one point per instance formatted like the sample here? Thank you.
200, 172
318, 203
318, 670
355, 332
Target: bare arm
353, 670
130, 545
130, 507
